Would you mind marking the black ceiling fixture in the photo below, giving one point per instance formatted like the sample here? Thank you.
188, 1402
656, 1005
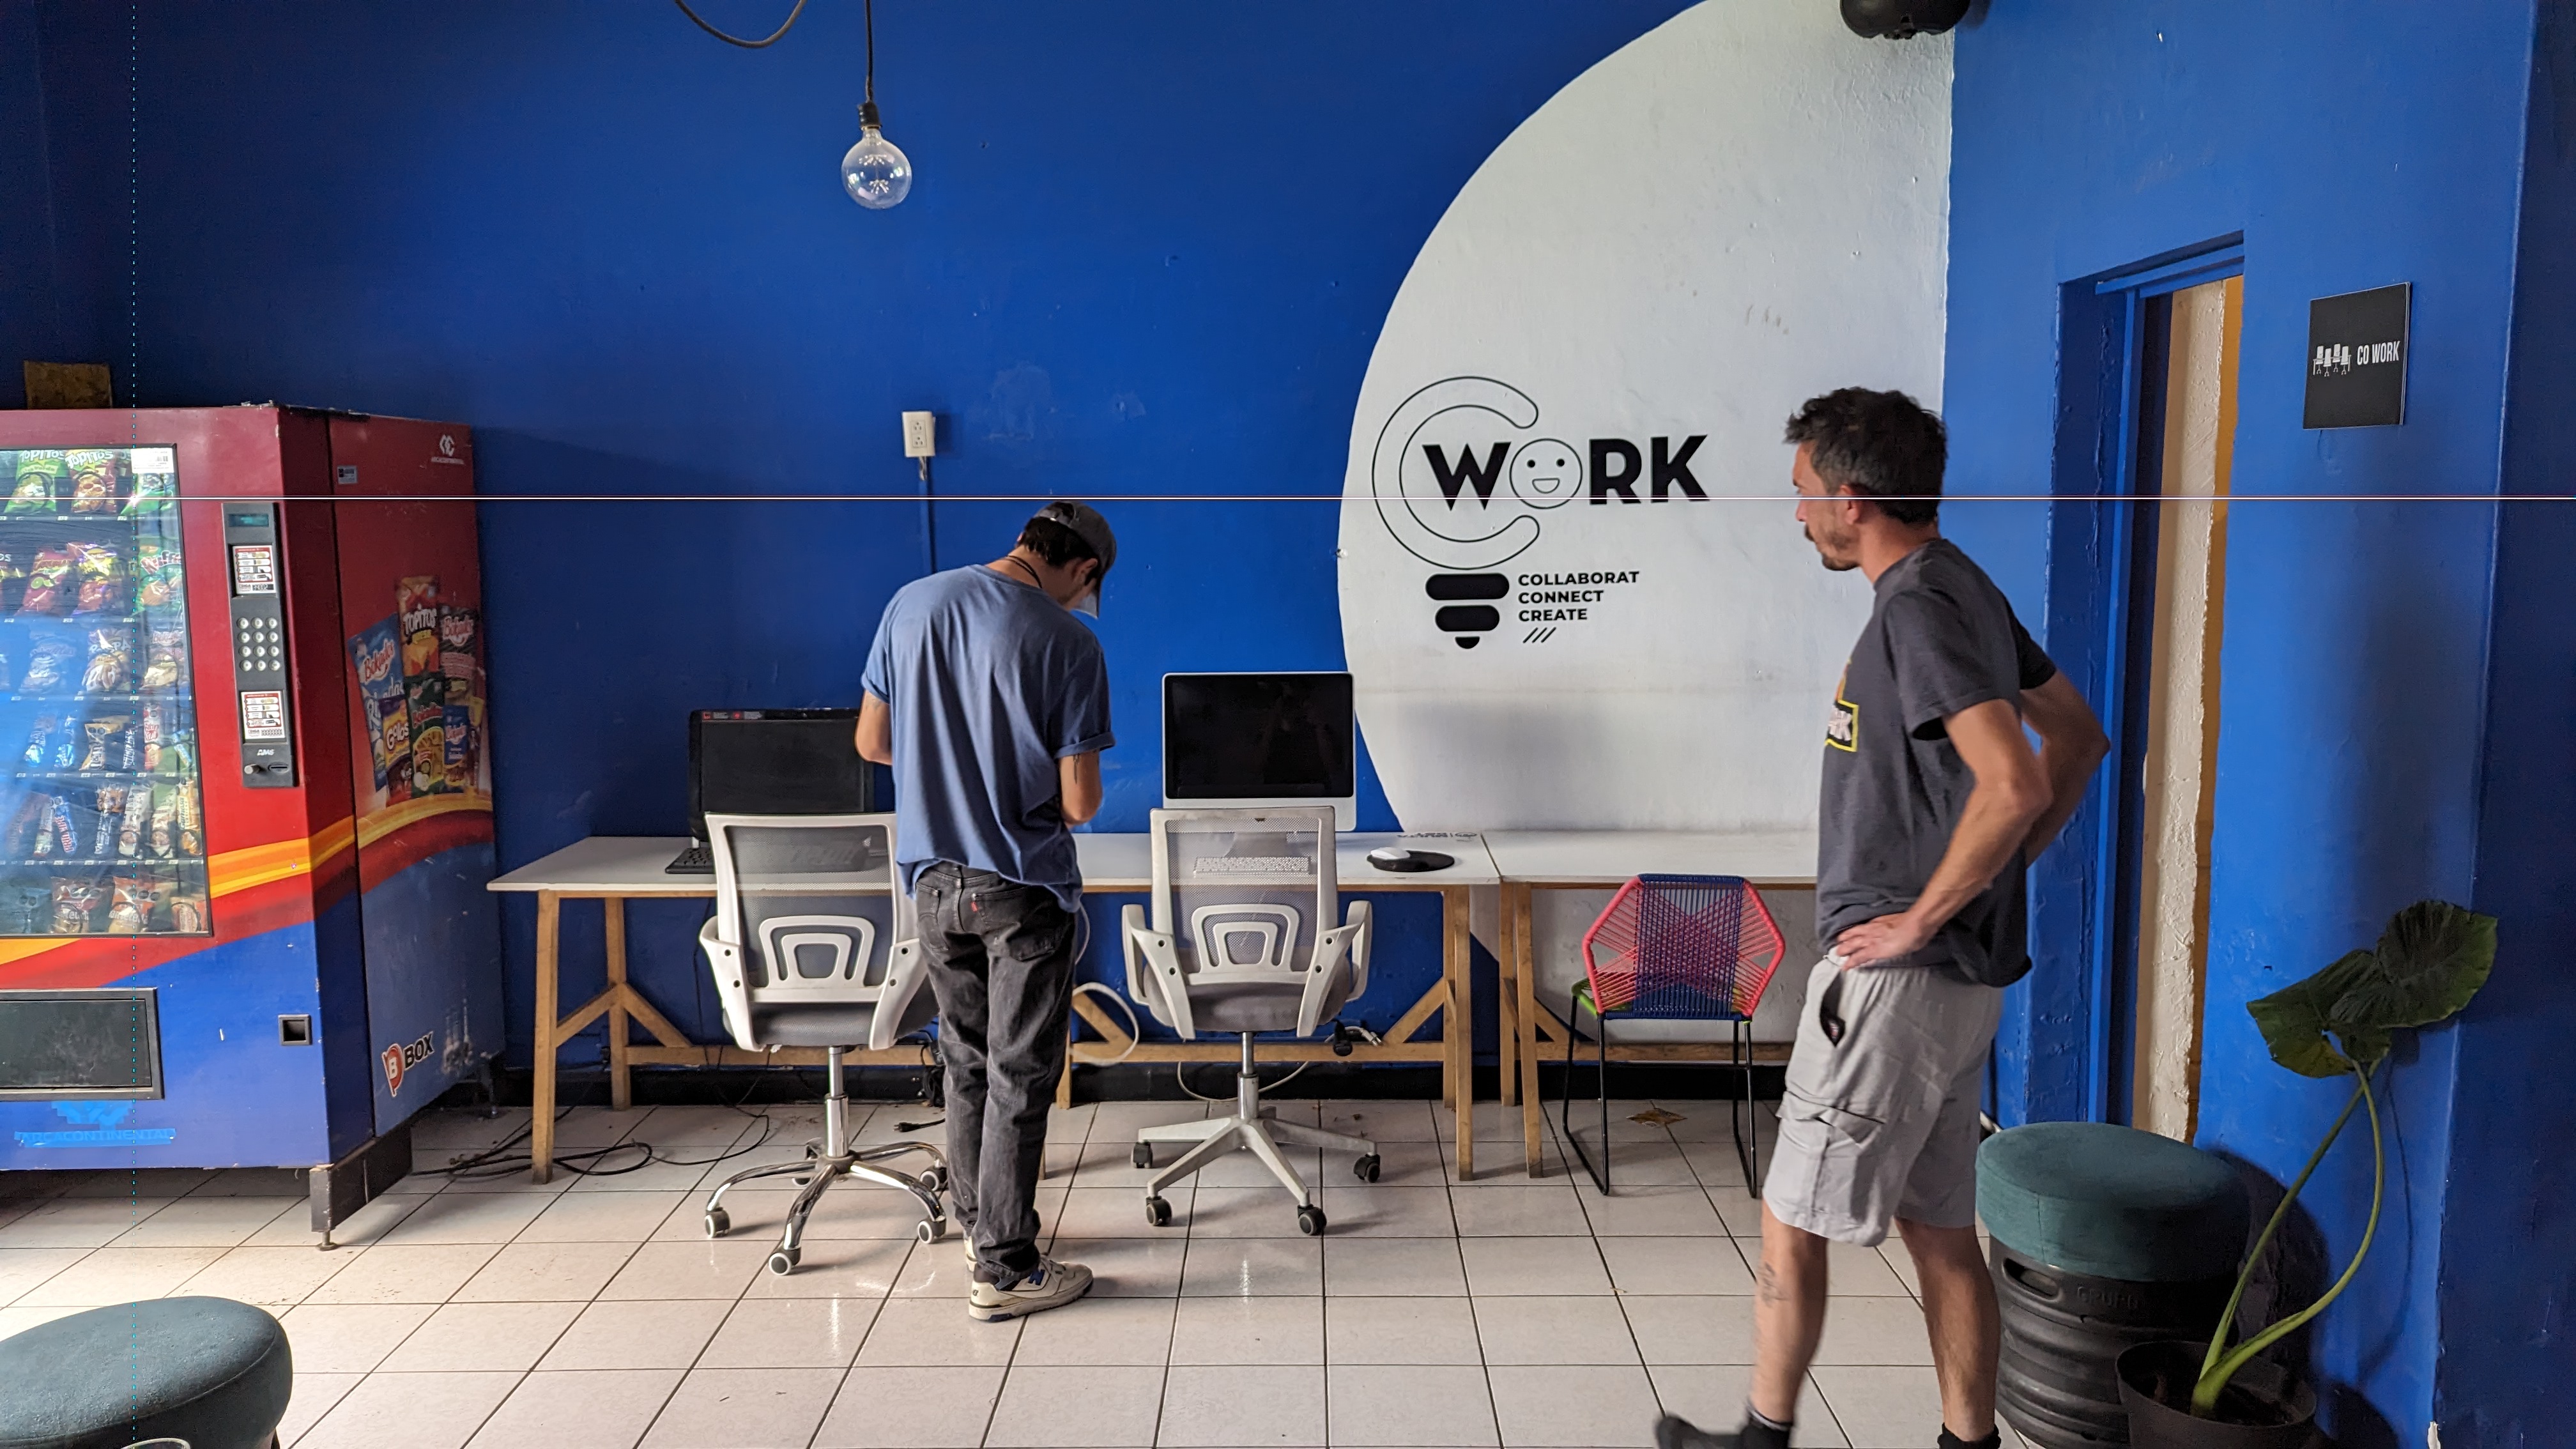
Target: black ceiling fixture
736, 39
1902, 19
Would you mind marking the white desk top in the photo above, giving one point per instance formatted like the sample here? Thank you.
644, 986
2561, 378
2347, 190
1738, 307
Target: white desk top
1609, 857
632, 865
1125, 862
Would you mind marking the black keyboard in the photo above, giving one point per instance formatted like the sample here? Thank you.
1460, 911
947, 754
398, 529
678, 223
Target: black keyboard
696, 860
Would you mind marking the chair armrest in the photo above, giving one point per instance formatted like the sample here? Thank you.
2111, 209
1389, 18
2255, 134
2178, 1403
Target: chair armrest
733, 994
1358, 920
1328, 976
1154, 976
906, 974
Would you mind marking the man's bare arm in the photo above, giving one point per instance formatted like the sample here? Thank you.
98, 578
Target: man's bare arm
2071, 744
1078, 786
2010, 796
876, 731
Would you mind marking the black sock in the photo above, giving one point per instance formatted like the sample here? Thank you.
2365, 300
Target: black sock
1761, 1432
1994, 1440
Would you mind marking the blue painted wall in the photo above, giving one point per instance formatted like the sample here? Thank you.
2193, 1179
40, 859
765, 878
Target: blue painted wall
2508, 1275
2377, 144
1148, 252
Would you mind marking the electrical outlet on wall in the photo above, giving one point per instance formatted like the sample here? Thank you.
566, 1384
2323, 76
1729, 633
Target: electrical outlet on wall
920, 435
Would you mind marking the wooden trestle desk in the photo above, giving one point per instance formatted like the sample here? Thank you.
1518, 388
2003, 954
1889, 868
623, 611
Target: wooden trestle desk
613, 869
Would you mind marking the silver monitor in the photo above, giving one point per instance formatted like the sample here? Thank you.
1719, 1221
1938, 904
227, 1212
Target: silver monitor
1261, 739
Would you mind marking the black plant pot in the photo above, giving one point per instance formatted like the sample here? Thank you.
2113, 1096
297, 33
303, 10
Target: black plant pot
2261, 1409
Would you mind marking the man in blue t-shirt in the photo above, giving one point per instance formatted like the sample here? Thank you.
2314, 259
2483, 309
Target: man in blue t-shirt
991, 703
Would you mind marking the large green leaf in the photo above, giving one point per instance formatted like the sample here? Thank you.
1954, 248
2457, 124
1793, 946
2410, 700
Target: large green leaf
2433, 957
2295, 1019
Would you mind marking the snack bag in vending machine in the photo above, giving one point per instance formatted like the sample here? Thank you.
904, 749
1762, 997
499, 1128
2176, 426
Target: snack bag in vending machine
376, 653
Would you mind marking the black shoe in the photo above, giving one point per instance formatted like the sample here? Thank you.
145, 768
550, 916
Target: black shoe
1672, 1432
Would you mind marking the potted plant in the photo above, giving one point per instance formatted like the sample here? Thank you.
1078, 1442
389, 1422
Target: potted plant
2337, 1023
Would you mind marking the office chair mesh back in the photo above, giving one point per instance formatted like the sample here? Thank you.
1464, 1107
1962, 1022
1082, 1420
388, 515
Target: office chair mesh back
1227, 917
1695, 947
820, 909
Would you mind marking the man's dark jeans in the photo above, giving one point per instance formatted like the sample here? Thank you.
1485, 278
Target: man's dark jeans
1001, 960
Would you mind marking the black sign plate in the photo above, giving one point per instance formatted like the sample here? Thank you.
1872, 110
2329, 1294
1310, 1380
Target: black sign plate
2357, 359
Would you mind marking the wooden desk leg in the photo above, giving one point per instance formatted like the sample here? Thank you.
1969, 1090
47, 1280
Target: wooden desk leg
541, 1075
1507, 1007
1064, 1081
1458, 1029
1525, 948
621, 1087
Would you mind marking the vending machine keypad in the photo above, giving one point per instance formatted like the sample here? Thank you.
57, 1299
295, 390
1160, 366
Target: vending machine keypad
259, 647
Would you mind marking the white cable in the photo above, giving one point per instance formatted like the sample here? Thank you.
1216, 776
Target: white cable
1135, 1028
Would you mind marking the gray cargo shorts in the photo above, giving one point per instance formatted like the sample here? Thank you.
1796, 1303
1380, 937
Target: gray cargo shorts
1883, 1123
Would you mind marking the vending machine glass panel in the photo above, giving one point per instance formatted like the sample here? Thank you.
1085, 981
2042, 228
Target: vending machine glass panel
104, 819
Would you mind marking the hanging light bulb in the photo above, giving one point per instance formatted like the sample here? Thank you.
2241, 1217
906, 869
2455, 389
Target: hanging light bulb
875, 172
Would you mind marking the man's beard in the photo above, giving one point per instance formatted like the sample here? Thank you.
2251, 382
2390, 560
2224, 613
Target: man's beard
1825, 556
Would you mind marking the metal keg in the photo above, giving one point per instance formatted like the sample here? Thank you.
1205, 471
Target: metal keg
2063, 1336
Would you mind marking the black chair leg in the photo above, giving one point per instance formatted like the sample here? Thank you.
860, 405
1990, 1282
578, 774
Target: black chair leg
1565, 1103
1747, 1155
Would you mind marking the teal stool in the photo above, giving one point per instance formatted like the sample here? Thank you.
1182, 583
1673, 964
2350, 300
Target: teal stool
2104, 1237
211, 1372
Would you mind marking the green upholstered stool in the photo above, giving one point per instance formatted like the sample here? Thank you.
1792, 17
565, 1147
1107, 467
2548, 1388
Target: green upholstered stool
2112, 1202
210, 1371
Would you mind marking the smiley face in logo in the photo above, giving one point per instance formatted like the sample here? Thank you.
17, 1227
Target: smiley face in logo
1546, 472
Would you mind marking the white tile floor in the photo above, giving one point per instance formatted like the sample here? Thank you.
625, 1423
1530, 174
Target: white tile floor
590, 1313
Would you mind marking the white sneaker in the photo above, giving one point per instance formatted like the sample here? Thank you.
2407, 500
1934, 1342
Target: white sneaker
1053, 1285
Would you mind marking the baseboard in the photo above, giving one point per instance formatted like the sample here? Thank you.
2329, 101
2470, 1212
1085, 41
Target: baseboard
1125, 1082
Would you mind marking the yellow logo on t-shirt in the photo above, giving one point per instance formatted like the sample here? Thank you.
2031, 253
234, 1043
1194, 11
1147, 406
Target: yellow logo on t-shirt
1842, 728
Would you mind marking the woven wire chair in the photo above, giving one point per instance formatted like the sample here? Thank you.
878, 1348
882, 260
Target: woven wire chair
1674, 948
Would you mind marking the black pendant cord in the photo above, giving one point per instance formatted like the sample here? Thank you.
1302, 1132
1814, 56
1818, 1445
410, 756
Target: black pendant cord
738, 40
871, 11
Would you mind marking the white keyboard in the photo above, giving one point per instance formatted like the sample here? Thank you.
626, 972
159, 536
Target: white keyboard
1252, 865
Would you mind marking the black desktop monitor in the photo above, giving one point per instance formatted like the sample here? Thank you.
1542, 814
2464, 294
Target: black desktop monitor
776, 762
1260, 739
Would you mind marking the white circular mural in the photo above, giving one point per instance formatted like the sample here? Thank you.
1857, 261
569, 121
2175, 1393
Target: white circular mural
1559, 609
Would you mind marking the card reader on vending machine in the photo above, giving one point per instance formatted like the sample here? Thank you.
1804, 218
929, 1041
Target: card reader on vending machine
259, 646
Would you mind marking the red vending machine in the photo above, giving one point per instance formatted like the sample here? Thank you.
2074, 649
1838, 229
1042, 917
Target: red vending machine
245, 790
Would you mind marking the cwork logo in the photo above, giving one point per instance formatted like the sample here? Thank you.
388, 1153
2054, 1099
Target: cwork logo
1459, 497
400, 1059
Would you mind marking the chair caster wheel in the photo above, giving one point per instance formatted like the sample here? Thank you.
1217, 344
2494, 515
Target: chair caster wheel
1366, 1169
719, 1222
1142, 1154
812, 1151
783, 1261
935, 1181
1310, 1221
1158, 1212
931, 1229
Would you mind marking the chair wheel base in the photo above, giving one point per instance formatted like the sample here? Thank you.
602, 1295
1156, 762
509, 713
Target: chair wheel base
783, 1261
1158, 1212
1310, 1221
719, 1222
1366, 1169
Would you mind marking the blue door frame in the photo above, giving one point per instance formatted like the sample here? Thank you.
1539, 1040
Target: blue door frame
2083, 909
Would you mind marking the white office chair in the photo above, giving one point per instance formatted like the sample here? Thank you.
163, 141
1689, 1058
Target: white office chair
1241, 940
814, 944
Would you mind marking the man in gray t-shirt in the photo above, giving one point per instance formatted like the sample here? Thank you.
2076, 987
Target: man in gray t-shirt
991, 703
1933, 805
